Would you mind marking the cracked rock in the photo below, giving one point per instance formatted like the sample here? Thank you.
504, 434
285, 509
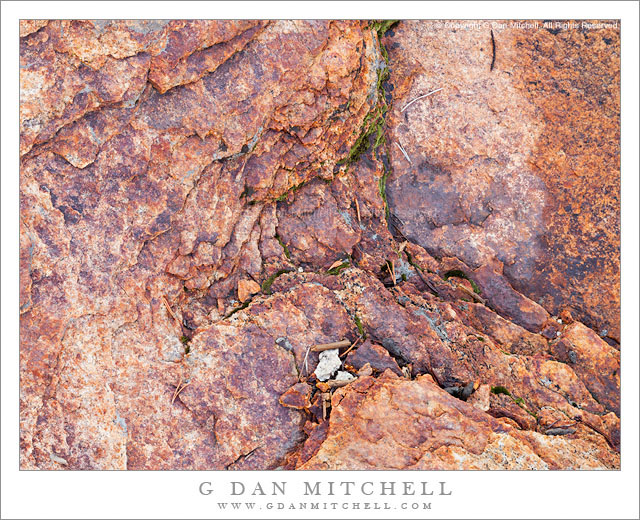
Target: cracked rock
186, 187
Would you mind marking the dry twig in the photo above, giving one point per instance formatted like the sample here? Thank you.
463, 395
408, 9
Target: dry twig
179, 389
358, 210
173, 315
471, 293
305, 363
335, 383
335, 264
358, 339
326, 398
420, 97
406, 156
331, 346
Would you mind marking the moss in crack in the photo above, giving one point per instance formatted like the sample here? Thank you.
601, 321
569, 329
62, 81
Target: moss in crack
372, 130
459, 274
266, 285
518, 400
373, 123
338, 268
284, 247
239, 308
293, 189
185, 341
361, 331
500, 390
412, 262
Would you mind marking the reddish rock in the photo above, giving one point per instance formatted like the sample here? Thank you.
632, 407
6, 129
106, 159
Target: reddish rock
508, 302
203, 201
404, 424
246, 289
593, 360
297, 396
519, 162
375, 356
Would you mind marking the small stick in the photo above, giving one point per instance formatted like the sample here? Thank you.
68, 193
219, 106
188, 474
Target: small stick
179, 389
333, 383
335, 264
475, 296
166, 303
560, 431
553, 424
420, 97
403, 152
351, 347
358, 210
427, 282
493, 50
331, 346
306, 365
325, 399
393, 272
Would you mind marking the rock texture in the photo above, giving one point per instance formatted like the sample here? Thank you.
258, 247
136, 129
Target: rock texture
204, 201
516, 166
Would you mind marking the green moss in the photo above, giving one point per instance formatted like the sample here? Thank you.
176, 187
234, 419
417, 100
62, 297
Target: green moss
518, 400
243, 306
412, 261
266, 285
185, 341
459, 274
284, 247
382, 26
382, 189
338, 268
293, 189
500, 390
374, 122
360, 327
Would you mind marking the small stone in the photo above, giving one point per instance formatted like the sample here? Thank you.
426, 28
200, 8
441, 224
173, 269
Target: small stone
366, 370
344, 376
328, 363
246, 289
297, 396
480, 399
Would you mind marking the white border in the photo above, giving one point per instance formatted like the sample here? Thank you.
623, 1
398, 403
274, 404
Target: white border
175, 494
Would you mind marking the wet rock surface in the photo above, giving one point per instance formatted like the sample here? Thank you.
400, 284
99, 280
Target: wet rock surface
202, 202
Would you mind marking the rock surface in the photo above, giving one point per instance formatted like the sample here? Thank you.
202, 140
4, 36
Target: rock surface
203, 201
518, 165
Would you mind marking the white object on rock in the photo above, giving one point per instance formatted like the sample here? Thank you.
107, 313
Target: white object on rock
344, 376
328, 363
